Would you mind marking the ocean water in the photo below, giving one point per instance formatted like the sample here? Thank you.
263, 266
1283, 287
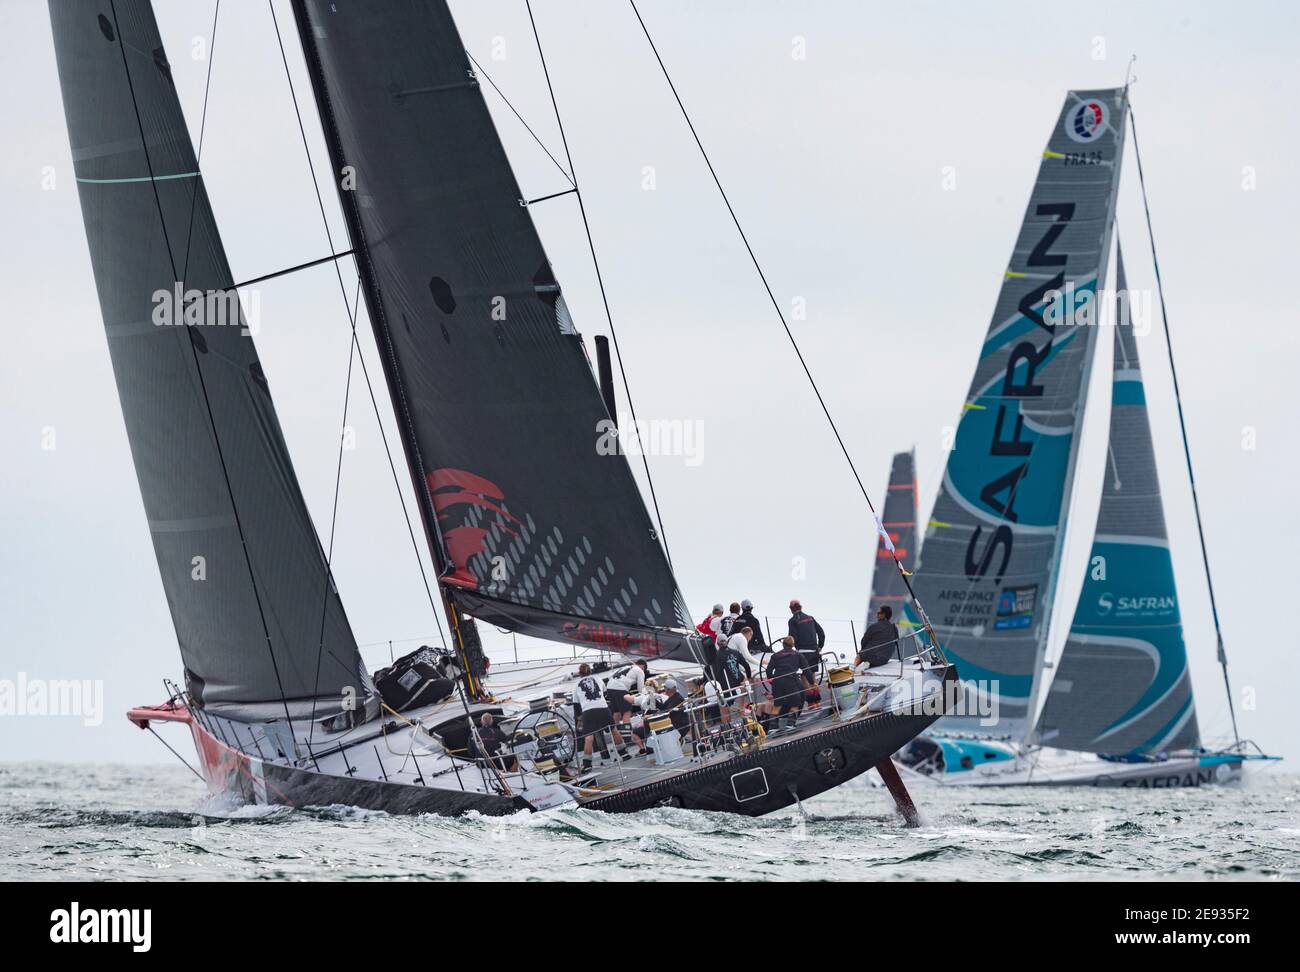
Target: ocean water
130, 822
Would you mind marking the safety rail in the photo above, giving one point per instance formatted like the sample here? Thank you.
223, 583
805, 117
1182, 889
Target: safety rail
509, 647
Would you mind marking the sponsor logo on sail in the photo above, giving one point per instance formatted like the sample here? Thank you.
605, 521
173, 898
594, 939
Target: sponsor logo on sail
1127, 605
1087, 121
1021, 381
1016, 607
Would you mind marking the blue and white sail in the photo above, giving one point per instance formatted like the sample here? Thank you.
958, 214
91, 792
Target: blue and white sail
1122, 685
988, 565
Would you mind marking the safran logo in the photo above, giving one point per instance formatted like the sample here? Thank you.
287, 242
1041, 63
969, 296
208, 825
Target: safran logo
1087, 121
1105, 604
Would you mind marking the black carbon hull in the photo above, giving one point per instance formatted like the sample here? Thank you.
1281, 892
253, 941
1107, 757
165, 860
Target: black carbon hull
261, 781
770, 776
777, 774
307, 788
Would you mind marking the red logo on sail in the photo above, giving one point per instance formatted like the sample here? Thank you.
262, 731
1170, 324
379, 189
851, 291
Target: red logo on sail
608, 636
456, 494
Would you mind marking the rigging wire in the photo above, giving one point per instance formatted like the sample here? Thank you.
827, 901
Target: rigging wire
564, 172
203, 127
779, 313
609, 317
302, 130
1182, 425
334, 517
185, 761
754, 259
212, 423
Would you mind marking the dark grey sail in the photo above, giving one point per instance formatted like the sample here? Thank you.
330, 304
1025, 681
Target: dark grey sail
259, 624
988, 565
1122, 685
531, 511
899, 521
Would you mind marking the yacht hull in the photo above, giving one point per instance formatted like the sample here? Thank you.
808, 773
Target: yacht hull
769, 774
258, 781
1006, 765
776, 774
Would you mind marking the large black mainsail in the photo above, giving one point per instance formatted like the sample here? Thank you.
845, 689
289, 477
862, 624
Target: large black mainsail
260, 627
536, 524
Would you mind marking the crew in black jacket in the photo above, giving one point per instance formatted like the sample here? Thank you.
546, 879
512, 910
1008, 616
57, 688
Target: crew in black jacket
747, 619
809, 639
880, 640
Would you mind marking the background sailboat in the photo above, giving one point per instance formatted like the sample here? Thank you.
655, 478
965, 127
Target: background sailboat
898, 520
1120, 709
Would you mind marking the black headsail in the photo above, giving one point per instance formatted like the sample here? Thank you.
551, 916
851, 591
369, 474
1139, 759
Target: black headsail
530, 508
260, 628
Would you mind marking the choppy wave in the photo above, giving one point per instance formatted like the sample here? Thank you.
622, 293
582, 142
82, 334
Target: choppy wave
107, 822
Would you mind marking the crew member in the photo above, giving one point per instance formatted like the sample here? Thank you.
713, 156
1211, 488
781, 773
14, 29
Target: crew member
789, 682
727, 626
489, 742
747, 617
709, 628
671, 701
624, 684
809, 639
880, 640
589, 697
732, 670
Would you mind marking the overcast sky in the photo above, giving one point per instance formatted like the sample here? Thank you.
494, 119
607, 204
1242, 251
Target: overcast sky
879, 156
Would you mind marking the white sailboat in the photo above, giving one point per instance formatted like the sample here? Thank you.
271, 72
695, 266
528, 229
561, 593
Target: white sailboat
1117, 707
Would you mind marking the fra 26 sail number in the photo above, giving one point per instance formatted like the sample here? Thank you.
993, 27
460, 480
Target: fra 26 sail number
1082, 158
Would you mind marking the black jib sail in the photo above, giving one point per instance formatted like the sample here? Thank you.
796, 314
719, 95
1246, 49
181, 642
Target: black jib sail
530, 508
260, 627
